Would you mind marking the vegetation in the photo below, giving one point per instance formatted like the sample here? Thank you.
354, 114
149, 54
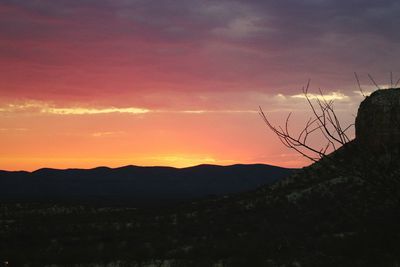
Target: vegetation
341, 211
324, 123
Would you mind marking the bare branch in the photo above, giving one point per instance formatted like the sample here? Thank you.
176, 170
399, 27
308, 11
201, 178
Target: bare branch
322, 118
372, 79
359, 85
391, 79
286, 138
397, 83
324, 121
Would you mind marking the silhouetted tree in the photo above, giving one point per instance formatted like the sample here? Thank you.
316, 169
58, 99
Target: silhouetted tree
324, 122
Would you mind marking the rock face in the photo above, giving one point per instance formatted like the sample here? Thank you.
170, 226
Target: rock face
378, 122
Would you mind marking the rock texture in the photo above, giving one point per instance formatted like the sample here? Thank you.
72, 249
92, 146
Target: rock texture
378, 122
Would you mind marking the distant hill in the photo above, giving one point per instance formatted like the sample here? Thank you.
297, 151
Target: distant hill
343, 210
134, 183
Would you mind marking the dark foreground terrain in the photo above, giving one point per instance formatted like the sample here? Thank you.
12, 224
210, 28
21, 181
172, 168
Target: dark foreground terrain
341, 211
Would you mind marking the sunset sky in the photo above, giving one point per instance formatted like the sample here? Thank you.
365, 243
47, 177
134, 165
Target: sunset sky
178, 83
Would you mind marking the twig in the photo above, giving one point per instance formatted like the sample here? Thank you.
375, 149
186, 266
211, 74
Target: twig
391, 79
325, 120
395, 86
359, 85
372, 79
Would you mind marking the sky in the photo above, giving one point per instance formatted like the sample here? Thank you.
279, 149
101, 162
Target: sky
86, 83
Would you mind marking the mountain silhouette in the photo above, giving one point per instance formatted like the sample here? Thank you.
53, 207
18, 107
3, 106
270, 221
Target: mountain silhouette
340, 211
131, 183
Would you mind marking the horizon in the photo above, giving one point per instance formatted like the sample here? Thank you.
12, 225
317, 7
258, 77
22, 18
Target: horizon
160, 83
146, 166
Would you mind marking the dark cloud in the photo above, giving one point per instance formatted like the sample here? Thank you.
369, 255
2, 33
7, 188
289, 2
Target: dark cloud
287, 20
185, 43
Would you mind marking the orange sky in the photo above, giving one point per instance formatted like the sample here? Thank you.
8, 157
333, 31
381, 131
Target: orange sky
37, 134
178, 83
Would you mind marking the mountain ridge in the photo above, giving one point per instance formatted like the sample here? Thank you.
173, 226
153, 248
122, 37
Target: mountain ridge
342, 210
137, 182
144, 167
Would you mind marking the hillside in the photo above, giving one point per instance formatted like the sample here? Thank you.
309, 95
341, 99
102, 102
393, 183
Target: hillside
340, 211
135, 184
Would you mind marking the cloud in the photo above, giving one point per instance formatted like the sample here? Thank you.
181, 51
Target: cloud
39, 107
243, 27
13, 129
90, 111
214, 111
328, 97
195, 104
108, 134
85, 49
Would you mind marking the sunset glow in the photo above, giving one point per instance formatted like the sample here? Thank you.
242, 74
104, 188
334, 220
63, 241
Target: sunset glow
176, 83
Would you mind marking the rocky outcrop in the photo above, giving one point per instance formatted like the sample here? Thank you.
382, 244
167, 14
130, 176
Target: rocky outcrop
378, 122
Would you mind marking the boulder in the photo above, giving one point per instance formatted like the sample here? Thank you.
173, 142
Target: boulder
378, 122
